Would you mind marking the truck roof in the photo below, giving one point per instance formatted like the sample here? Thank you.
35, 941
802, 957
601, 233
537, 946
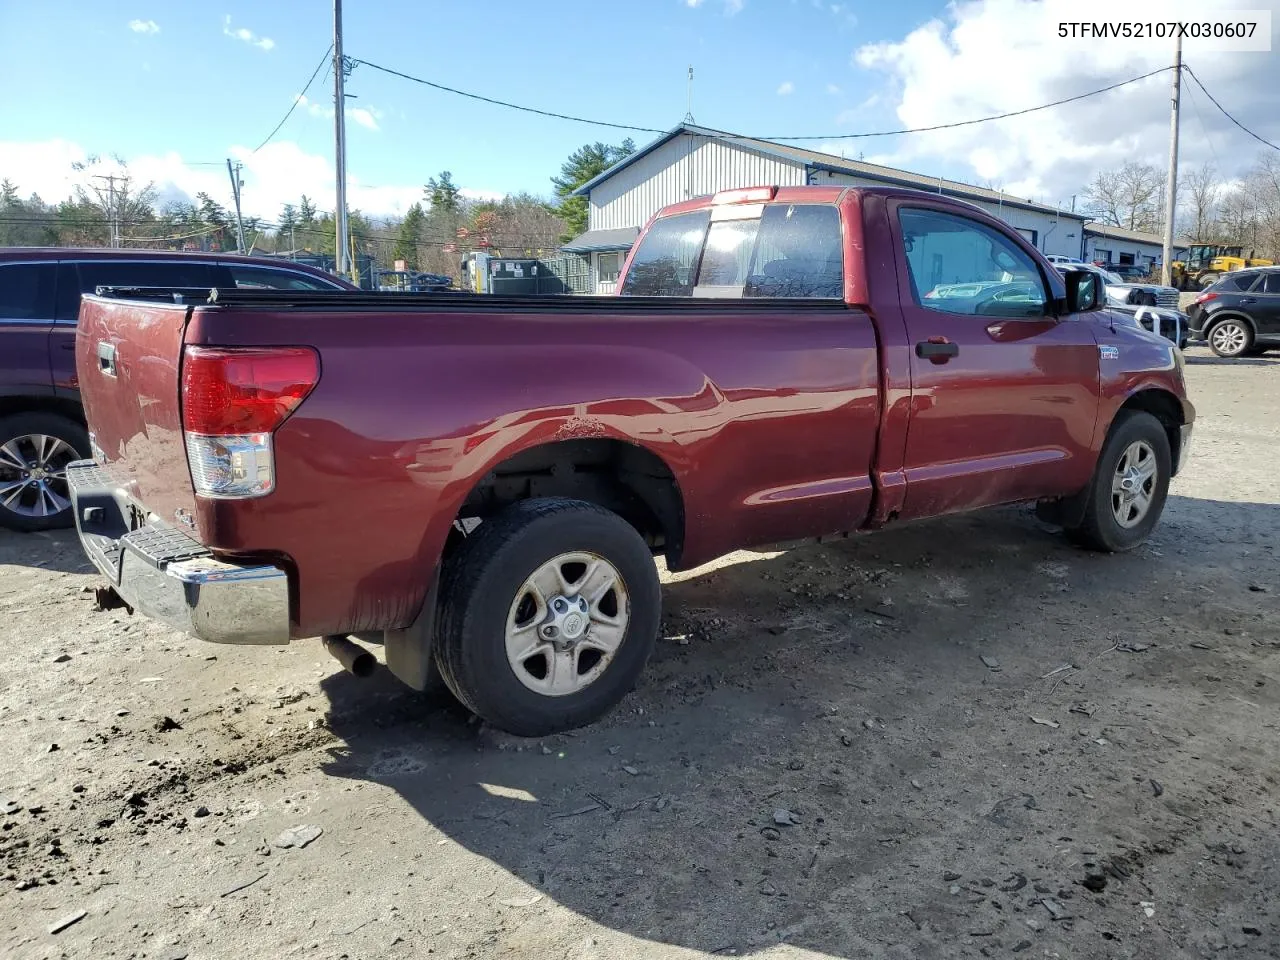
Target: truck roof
765, 193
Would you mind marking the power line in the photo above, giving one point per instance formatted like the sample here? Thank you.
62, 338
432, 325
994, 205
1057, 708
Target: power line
1255, 136
504, 103
296, 100
1204, 131
969, 123
838, 136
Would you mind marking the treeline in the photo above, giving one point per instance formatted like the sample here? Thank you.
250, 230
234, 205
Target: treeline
1211, 208
433, 235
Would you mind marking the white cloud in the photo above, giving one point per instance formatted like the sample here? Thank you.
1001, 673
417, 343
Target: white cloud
833, 89
247, 35
786, 88
366, 117
985, 57
731, 7
144, 26
279, 173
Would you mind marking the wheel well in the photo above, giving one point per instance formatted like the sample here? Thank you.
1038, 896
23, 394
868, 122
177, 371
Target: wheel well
1218, 318
70, 409
622, 477
1164, 406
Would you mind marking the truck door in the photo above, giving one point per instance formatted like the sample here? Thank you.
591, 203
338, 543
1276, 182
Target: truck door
1004, 393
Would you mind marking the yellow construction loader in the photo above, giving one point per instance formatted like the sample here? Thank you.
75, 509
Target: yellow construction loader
1206, 262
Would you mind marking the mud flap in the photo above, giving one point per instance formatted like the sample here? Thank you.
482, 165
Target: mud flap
1065, 512
410, 651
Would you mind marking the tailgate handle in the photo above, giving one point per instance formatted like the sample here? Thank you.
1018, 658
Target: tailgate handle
107, 359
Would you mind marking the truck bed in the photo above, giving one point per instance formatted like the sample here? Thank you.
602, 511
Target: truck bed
767, 414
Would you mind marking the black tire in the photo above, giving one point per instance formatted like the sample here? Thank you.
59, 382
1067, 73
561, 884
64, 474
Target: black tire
1230, 338
485, 576
21, 513
1100, 528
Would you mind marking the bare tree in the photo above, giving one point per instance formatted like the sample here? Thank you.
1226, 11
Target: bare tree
113, 192
1238, 218
1203, 189
1129, 197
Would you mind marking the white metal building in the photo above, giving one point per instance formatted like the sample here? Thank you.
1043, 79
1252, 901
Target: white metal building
692, 161
1119, 247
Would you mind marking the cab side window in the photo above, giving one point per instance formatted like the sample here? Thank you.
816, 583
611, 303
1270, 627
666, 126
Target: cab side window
959, 266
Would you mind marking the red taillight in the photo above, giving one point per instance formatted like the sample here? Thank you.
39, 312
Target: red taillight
231, 391
1205, 298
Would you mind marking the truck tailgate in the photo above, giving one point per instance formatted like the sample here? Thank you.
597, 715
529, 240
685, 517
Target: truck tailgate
128, 356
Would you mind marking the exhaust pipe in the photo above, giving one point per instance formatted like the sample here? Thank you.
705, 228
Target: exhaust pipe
355, 659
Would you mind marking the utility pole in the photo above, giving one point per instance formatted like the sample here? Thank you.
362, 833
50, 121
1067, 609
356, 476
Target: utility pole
341, 263
113, 220
1171, 179
236, 184
688, 113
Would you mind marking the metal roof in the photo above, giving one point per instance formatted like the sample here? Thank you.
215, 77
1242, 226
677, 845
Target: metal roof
816, 160
1120, 233
594, 241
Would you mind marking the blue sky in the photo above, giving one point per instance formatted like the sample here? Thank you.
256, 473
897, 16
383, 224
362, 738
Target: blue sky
172, 87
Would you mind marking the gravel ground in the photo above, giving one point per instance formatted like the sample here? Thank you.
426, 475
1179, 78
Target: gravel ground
963, 738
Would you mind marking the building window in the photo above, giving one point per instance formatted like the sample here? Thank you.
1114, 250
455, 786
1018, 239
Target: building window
1031, 236
607, 267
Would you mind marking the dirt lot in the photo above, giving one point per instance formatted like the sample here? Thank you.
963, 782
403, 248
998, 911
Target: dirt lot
833, 755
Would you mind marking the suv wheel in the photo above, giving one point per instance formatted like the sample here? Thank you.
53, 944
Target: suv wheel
1231, 338
35, 449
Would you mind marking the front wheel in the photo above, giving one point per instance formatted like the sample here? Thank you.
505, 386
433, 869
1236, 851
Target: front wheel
1231, 338
548, 614
35, 449
1130, 485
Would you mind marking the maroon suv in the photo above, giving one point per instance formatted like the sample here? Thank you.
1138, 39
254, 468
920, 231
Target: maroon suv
41, 421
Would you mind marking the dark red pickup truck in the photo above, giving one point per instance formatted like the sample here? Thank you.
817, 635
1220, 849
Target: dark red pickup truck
481, 483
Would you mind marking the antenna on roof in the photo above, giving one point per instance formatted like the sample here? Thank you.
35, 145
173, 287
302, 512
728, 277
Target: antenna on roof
688, 113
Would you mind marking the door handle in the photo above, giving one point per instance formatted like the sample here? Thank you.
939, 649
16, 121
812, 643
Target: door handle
1248, 300
107, 359
937, 349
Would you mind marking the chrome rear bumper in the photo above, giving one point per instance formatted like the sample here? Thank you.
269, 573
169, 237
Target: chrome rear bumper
165, 575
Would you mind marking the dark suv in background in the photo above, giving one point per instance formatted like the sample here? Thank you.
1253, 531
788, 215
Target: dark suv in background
1239, 315
41, 421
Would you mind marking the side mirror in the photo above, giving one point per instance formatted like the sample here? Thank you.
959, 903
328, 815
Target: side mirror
1084, 291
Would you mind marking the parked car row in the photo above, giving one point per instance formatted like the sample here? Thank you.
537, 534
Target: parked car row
42, 424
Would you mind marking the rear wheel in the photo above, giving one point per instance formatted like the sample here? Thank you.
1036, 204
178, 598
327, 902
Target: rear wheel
1231, 338
35, 449
1207, 280
1130, 485
548, 614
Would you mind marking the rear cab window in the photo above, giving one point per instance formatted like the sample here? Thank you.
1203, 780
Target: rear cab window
758, 251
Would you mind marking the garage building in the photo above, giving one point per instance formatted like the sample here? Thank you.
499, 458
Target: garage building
1118, 247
